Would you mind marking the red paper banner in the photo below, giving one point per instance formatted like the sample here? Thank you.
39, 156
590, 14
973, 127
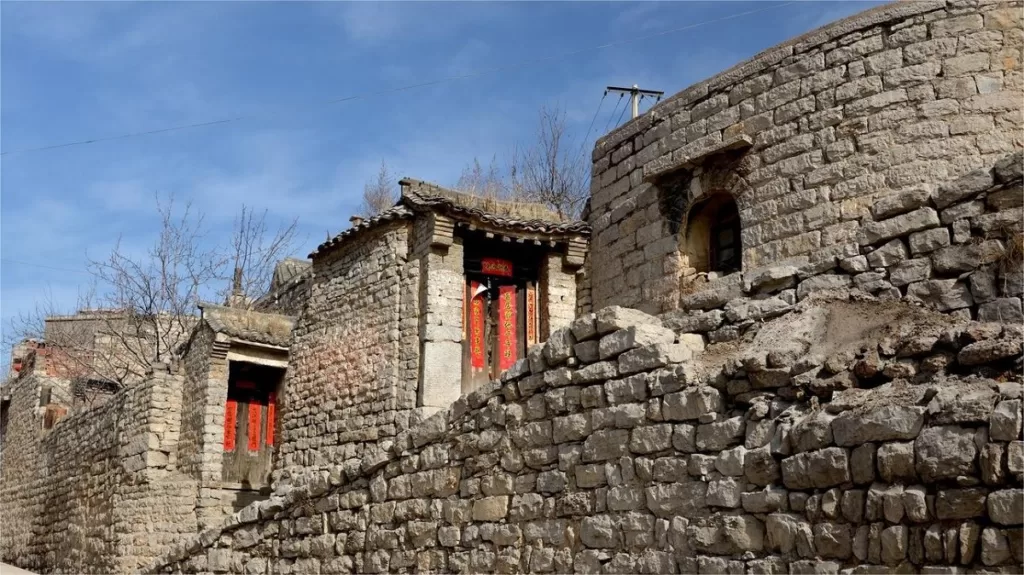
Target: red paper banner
507, 327
531, 315
230, 410
271, 410
476, 329
255, 415
496, 267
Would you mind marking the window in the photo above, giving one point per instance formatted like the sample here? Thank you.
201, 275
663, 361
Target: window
712, 242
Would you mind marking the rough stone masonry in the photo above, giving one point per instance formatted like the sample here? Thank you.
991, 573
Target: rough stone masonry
621, 446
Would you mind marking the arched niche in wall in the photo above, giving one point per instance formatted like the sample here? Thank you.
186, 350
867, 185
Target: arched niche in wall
702, 206
711, 241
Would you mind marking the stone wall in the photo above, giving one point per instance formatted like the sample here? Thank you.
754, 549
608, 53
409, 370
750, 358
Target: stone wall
818, 140
621, 446
351, 381
100, 492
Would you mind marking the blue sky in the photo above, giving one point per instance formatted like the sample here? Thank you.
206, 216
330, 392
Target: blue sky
75, 71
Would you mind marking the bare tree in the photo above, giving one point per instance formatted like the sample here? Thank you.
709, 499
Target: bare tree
552, 170
380, 194
255, 253
482, 182
154, 295
142, 306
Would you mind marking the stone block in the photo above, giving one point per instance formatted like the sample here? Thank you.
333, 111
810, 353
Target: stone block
989, 351
682, 321
964, 187
492, 508
1005, 421
816, 469
901, 202
653, 356
691, 404
896, 462
633, 336
883, 423
559, 346
957, 259
888, 255
771, 279
910, 271
960, 503
615, 318
903, 224
584, 327
928, 241
1006, 507
720, 435
824, 282
1003, 310
945, 452
943, 295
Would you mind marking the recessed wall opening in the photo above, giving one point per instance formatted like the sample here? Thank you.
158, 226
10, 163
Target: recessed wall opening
250, 425
712, 240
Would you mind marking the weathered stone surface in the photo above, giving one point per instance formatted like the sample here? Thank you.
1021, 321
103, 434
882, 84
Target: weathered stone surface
558, 348
876, 232
928, 241
823, 468
633, 336
615, 318
900, 203
821, 283
691, 404
1005, 421
1003, 310
945, 452
896, 462
1006, 507
969, 185
989, 351
883, 423
771, 279
910, 271
943, 295
693, 322
955, 259
652, 356
889, 254
960, 503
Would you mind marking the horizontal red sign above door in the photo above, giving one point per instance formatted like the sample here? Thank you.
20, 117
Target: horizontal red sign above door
496, 267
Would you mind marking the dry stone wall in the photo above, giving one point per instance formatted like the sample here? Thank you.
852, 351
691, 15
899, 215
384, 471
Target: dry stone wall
100, 491
352, 377
622, 446
829, 144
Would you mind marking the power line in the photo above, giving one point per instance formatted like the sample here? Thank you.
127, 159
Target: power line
609, 124
619, 121
521, 64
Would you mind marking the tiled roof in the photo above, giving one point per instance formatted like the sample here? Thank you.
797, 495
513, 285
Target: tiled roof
420, 196
257, 327
522, 216
398, 212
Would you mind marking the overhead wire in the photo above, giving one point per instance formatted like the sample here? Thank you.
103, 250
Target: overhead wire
621, 114
513, 66
608, 126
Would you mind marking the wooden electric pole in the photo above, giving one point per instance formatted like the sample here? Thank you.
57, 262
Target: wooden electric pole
635, 94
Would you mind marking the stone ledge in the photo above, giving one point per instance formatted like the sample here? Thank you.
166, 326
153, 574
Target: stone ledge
691, 157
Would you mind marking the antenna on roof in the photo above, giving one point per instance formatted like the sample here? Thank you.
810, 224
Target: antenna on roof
635, 93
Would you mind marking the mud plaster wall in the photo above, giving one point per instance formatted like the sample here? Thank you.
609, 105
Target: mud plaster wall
622, 447
896, 99
100, 491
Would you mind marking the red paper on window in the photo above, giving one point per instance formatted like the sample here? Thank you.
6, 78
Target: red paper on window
271, 409
507, 327
531, 315
255, 415
476, 329
230, 410
496, 267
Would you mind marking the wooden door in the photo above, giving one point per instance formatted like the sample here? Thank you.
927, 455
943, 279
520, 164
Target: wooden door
500, 324
249, 433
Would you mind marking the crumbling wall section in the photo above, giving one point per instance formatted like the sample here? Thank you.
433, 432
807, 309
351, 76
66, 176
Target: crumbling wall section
621, 446
347, 384
846, 130
100, 491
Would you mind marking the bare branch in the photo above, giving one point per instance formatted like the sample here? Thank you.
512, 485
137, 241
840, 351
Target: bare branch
379, 194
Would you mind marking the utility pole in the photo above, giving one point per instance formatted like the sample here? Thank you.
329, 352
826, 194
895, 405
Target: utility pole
635, 94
